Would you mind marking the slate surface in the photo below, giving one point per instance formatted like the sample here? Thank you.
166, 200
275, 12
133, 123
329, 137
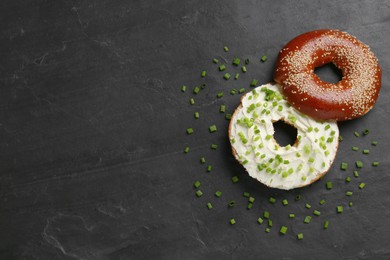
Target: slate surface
92, 132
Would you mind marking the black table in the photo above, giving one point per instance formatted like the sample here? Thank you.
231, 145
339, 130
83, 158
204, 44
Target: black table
93, 127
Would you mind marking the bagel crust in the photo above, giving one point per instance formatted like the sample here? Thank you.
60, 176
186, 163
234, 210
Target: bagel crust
353, 96
285, 167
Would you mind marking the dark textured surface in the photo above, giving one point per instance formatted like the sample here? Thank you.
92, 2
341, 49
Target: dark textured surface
92, 132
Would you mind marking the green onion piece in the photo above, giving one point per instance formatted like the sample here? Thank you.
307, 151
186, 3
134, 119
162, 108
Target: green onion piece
226, 49
228, 116
307, 205
190, 131
183, 88
359, 164
322, 202
267, 230
326, 224
236, 61
272, 200
202, 160
307, 220
242, 90
298, 197
249, 206
233, 91
374, 143
213, 128
356, 174
366, 151
218, 194
291, 215
209, 168
366, 132
349, 193
196, 90
362, 185
214, 146
231, 203
350, 203
348, 179
283, 230
203, 86
340, 209
235, 179
215, 61
300, 236
266, 214
260, 221
209, 206
285, 202
226, 76
198, 193
270, 223
254, 83
237, 76
243, 69
355, 148
344, 166
329, 185
203, 74
197, 184
356, 134
316, 212
375, 164
264, 58
222, 67
340, 138
246, 194
196, 115
232, 221
220, 94
222, 109
186, 150
251, 199
192, 101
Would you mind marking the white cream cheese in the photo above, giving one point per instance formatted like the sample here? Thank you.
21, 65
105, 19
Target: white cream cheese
285, 167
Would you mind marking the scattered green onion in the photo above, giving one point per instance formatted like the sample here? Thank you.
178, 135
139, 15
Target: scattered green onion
362, 185
356, 134
260, 221
285, 202
348, 179
298, 197
183, 88
232, 221
375, 164
190, 131
291, 215
237, 76
307, 220
283, 230
355, 148
196, 90
316, 212
349, 193
266, 214
243, 69
350, 203
231, 203
272, 200
246, 61
251, 199
222, 67
246, 194
300, 236
202, 160
307, 205
235, 179
344, 166
228, 116
226, 76
359, 164
366, 151
215, 61
192, 101
220, 94
209, 168
264, 58
242, 90
209, 206
186, 150
267, 230
374, 143
340, 209
249, 205
254, 83
218, 194
198, 193
236, 61
326, 224
222, 109
226, 49
196, 115
329, 185
213, 128
356, 174
203, 74
366, 132
197, 184
322, 202
214, 146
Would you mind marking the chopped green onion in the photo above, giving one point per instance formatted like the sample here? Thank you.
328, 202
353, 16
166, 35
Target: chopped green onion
322, 202
349, 193
236, 61
196, 115
209, 168
203, 86
198, 193
272, 200
340, 138
235, 179
197, 184
190, 131
209, 206
231, 203
183, 88
298, 197
232, 221
243, 69
264, 58
329, 185
196, 90
326, 224
242, 90
366, 151
340, 209
356, 134
246, 61
285, 202
192, 101
222, 109
348, 179
356, 174
375, 164
218, 194
374, 143
260, 221
251, 199
266, 214
202, 160
362, 185
220, 94
355, 148
291, 215
316, 212
249, 205
237, 76
233, 91
186, 150
283, 230
246, 194
267, 230
213, 128
359, 164
226, 76
344, 166
307, 205
203, 74
300, 236
350, 203
254, 83
228, 116
366, 132
214, 146
215, 61
307, 220
222, 67
226, 49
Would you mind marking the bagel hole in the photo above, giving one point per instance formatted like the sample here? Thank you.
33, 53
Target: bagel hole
329, 73
285, 134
